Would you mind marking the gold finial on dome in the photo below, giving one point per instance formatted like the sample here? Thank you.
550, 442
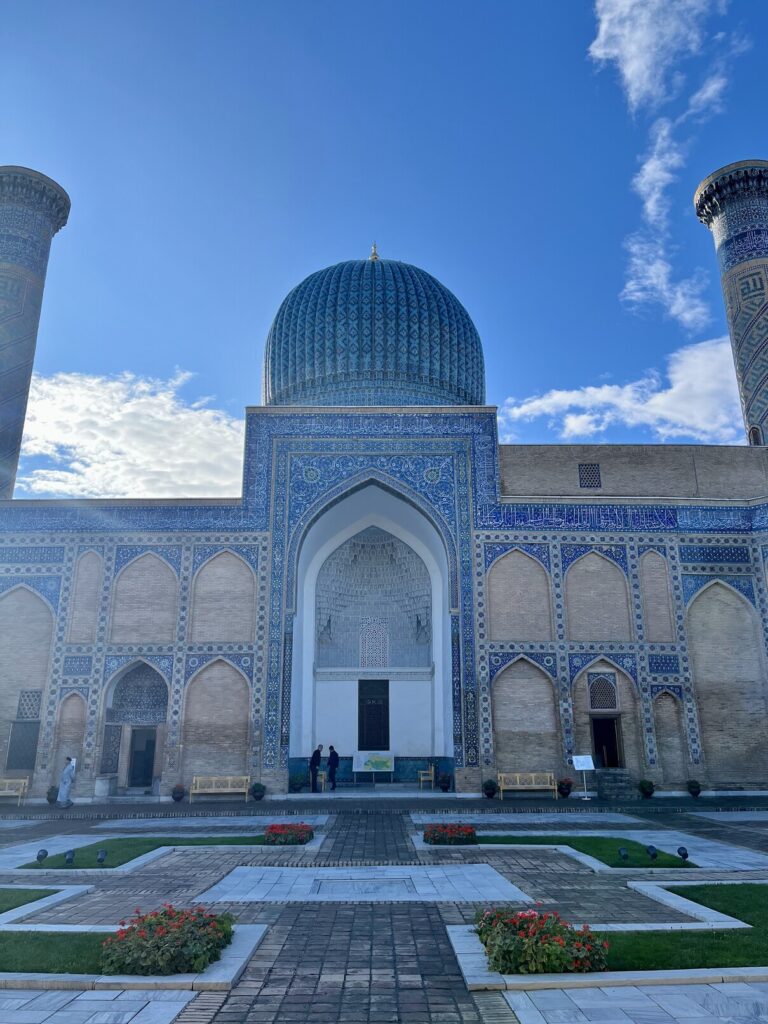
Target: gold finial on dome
374, 254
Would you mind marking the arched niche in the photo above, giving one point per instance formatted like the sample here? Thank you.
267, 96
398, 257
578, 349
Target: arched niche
597, 600
325, 703
607, 719
671, 743
145, 602
519, 599
70, 733
223, 601
526, 732
86, 594
215, 726
657, 598
135, 712
26, 635
726, 646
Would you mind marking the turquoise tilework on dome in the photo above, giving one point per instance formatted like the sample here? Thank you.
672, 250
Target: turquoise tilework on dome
373, 332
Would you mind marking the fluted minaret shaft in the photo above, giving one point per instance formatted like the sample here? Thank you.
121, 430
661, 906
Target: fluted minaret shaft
32, 209
733, 203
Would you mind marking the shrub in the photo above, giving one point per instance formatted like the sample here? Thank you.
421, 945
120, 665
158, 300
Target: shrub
52, 794
258, 789
288, 835
296, 783
166, 941
490, 787
694, 787
646, 788
564, 787
178, 793
449, 835
528, 942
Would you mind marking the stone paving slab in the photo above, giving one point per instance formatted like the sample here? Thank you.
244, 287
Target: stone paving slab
167, 826
446, 883
728, 816
73, 1007
643, 1004
492, 816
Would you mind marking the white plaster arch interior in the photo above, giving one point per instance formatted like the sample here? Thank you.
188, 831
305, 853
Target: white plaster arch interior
371, 505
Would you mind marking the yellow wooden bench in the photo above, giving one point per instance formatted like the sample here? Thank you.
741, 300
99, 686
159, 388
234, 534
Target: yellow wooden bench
217, 784
526, 781
14, 787
427, 775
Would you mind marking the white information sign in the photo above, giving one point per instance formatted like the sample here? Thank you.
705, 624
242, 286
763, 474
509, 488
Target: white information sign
373, 761
583, 763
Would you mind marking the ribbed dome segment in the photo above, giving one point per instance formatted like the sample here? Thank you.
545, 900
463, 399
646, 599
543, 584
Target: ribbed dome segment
373, 332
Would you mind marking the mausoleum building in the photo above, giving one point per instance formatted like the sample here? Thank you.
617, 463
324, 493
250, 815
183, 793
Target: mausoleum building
391, 578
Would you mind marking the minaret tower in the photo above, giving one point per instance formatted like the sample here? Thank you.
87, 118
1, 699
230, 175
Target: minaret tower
32, 209
733, 203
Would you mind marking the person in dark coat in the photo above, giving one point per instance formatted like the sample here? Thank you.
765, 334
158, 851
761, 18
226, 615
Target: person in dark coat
314, 765
333, 764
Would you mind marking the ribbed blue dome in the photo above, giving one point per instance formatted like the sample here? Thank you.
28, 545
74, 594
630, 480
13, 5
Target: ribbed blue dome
373, 332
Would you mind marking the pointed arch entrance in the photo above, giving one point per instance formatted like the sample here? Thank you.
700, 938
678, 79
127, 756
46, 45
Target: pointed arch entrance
135, 712
372, 613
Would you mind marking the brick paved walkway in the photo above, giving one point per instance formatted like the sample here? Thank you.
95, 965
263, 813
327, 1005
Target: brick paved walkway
363, 962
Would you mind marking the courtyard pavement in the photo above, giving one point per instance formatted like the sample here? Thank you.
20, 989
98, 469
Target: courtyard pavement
352, 937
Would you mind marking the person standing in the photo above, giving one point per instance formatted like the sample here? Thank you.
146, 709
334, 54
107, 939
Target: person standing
314, 765
333, 764
65, 783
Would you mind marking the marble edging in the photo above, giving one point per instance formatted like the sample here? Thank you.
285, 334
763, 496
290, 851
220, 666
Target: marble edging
473, 962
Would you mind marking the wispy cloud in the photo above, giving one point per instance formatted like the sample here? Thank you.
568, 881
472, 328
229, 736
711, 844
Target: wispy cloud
649, 41
645, 40
698, 401
126, 436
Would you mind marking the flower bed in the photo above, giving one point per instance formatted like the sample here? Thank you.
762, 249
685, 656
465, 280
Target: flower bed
288, 835
166, 941
529, 942
449, 835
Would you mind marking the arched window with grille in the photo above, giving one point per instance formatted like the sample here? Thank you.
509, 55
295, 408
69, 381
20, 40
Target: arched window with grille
374, 642
603, 695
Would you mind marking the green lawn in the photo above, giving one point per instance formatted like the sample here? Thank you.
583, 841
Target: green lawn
601, 848
51, 952
119, 851
645, 951
12, 898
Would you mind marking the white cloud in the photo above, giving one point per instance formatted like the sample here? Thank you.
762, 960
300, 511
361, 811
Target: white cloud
645, 39
649, 280
126, 437
657, 172
698, 401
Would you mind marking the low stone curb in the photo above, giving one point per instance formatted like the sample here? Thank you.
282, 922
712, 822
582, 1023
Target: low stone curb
473, 960
313, 846
219, 976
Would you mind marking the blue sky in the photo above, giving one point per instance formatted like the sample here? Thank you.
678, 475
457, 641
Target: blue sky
538, 159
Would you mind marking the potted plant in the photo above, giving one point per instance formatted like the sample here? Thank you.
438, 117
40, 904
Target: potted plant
295, 783
694, 788
444, 781
564, 787
490, 788
52, 794
646, 788
178, 793
257, 790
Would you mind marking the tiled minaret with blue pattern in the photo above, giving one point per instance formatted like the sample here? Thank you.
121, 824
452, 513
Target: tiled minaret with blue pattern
733, 203
32, 209
373, 332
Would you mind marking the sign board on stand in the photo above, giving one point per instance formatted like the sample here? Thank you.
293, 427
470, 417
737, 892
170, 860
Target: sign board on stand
583, 763
373, 761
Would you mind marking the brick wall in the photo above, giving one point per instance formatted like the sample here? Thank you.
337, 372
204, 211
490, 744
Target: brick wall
525, 727
518, 594
144, 603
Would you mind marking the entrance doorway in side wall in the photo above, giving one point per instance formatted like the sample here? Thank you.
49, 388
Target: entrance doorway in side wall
142, 759
606, 742
373, 714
